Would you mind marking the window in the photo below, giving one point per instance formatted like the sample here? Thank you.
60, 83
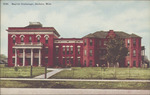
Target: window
128, 63
71, 60
46, 50
90, 52
128, 42
57, 50
28, 51
134, 63
13, 60
46, 60
79, 62
22, 39
85, 52
84, 62
38, 39
91, 42
63, 61
57, 61
30, 39
71, 50
78, 50
68, 50
20, 51
63, 50
100, 43
46, 39
134, 42
85, 42
134, 52
13, 51
90, 63
105, 42
20, 60
14, 39
128, 53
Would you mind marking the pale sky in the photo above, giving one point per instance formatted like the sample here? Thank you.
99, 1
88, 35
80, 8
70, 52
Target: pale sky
79, 18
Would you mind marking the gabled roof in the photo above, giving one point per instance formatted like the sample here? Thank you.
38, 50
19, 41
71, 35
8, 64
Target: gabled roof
103, 34
134, 35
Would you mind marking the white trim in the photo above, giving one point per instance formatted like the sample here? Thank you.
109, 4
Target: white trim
63, 46
13, 36
71, 46
78, 46
63, 57
78, 57
38, 36
67, 46
13, 56
71, 57
31, 33
57, 46
27, 47
46, 47
46, 56
21, 36
46, 36
70, 41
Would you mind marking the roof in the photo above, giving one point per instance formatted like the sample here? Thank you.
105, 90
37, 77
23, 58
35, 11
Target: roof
103, 34
33, 27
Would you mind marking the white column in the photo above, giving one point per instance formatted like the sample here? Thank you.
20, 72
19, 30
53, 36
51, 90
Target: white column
39, 57
31, 57
15, 57
23, 57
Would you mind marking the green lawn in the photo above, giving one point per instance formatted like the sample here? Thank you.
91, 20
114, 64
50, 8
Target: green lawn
108, 73
20, 72
75, 84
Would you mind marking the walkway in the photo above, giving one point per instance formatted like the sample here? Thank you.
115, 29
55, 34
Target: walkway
74, 80
48, 91
49, 74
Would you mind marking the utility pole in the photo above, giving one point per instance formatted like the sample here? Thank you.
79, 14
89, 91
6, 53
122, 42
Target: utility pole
31, 72
45, 71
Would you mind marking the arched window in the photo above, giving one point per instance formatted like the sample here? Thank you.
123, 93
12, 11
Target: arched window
14, 38
22, 38
38, 38
46, 39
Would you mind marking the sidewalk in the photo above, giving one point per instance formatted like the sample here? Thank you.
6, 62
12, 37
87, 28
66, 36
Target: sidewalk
49, 74
47, 91
74, 80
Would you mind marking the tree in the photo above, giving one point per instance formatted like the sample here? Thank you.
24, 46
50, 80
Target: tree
116, 51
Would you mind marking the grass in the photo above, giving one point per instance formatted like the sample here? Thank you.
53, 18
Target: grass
74, 84
107, 73
20, 72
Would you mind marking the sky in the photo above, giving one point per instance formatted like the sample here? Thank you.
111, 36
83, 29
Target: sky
75, 19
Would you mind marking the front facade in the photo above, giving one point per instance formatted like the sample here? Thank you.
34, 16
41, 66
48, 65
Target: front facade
41, 46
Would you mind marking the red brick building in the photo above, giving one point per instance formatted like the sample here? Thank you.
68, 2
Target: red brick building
39, 46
